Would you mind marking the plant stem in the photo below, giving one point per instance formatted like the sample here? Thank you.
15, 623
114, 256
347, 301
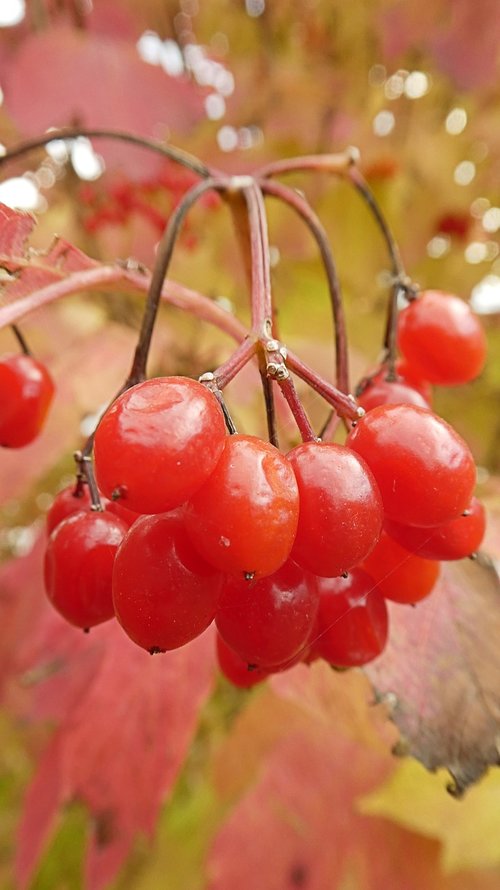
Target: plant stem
164, 255
174, 154
21, 339
230, 368
287, 387
338, 163
86, 471
345, 405
262, 310
297, 203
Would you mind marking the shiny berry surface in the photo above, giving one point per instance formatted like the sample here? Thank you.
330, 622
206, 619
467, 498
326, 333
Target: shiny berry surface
401, 576
424, 469
442, 338
453, 540
158, 443
244, 519
341, 513
267, 622
237, 671
352, 623
79, 565
164, 593
387, 392
72, 499
26, 392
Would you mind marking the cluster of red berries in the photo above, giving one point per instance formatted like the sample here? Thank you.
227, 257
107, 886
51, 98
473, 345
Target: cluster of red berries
151, 199
293, 556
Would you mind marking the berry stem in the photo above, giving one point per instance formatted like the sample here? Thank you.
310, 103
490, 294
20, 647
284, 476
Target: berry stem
339, 164
267, 390
344, 404
67, 133
287, 387
21, 340
230, 368
164, 256
297, 203
262, 309
86, 471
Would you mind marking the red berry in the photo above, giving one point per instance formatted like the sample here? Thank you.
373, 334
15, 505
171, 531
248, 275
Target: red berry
424, 469
401, 576
79, 564
164, 593
389, 392
269, 621
158, 443
453, 540
442, 338
341, 513
26, 391
72, 499
243, 520
237, 671
352, 624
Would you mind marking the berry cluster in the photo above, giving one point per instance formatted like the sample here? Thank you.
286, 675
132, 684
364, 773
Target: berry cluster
293, 556
178, 521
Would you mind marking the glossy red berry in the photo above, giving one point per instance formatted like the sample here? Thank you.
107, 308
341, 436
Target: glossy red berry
352, 623
424, 469
237, 671
158, 443
164, 593
453, 540
72, 499
341, 512
26, 392
390, 392
244, 518
401, 576
268, 622
442, 338
79, 565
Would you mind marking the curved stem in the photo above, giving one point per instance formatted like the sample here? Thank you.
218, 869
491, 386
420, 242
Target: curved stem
262, 311
287, 387
338, 163
302, 208
345, 405
174, 154
164, 256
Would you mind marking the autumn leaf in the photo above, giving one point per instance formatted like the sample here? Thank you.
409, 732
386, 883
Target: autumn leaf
441, 672
124, 722
309, 749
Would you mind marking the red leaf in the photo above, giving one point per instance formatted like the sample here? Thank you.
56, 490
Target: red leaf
441, 670
96, 81
317, 749
125, 723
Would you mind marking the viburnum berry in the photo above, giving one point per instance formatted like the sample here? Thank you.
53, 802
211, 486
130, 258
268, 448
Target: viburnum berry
268, 622
237, 671
75, 498
441, 338
158, 443
352, 623
26, 392
424, 469
79, 565
165, 594
341, 512
454, 540
244, 518
401, 576
389, 392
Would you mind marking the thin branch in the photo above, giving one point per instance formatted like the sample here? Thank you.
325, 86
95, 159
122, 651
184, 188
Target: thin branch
338, 164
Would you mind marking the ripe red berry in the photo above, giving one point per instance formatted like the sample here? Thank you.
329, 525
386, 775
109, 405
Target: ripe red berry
453, 540
341, 512
390, 392
158, 443
352, 623
26, 391
72, 499
164, 593
424, 469
267, 622
237, 671
401, 576
442, 338
244, 518
79, 564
